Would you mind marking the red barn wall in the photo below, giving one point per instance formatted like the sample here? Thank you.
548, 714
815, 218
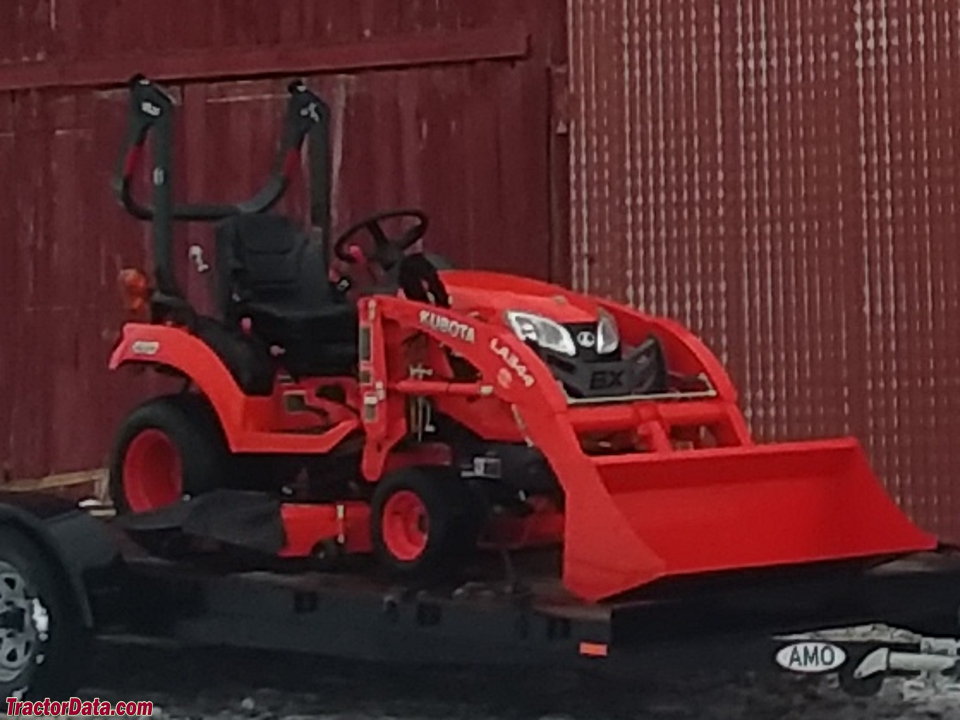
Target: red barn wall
442, 104
783, 177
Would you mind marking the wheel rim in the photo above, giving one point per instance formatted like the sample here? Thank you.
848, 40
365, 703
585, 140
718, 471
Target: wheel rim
25, 622
152, 472
406, 525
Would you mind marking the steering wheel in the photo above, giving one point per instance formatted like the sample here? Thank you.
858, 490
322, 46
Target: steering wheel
388, 251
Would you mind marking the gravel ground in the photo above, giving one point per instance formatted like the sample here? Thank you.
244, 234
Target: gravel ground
262, 686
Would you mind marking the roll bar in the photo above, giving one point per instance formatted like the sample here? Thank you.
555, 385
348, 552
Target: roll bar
151, 109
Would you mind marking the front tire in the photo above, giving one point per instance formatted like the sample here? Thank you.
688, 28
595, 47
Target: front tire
424, 522
167, 448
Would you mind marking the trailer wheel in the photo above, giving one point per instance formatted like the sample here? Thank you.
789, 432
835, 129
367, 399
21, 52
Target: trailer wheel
423, 521
43, 641
167, 448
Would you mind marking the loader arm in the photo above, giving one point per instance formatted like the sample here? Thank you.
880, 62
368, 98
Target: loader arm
590, 568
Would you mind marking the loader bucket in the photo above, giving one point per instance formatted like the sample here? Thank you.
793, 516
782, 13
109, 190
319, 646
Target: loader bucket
731, 508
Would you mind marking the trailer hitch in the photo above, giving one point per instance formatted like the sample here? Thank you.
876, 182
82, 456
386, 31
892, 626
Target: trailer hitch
934, 655
929, 667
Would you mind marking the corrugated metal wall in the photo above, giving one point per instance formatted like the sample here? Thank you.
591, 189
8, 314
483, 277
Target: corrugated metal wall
438, 103
782, 175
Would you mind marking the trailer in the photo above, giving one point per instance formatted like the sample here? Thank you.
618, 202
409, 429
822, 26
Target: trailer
515, 612
86, 577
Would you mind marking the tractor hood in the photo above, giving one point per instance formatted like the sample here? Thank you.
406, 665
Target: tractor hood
576, 337
489, 295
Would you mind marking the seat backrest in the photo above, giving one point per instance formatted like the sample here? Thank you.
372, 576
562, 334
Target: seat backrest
268, 259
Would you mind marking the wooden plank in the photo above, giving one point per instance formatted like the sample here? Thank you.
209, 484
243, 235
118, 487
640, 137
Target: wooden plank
495, 43
74, 486
93, 478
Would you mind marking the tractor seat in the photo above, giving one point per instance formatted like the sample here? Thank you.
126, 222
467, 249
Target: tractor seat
271, 272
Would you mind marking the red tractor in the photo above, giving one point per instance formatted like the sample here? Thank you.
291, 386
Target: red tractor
431, 412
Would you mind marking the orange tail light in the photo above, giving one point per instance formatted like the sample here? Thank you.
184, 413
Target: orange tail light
135, 291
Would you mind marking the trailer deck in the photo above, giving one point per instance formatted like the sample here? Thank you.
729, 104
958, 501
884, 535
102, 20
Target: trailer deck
725, 620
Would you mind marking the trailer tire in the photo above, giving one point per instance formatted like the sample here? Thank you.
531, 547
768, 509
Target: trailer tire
167, 448
41, 655
423, 522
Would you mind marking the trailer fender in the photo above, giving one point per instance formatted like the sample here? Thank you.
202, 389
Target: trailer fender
75, 543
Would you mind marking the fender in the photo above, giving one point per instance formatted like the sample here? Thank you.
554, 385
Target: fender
176, 348
249, 423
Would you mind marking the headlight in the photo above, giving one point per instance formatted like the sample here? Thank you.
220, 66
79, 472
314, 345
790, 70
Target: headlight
608, 336
543, 331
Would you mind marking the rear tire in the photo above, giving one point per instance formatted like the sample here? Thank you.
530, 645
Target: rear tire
424, 522
167, 448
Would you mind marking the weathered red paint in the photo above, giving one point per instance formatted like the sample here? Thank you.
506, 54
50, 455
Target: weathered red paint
217, 64
783, 178
443, 104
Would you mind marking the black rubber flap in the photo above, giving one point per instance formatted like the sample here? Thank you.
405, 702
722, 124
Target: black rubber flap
235, 517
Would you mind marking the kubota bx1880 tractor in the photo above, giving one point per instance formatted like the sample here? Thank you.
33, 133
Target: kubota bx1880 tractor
422, 414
